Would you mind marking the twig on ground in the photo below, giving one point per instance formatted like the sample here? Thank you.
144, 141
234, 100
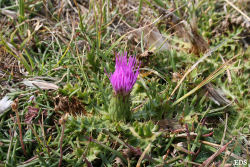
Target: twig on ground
14, 107
62, 122
143, 155
218, 146
225, 130
211, 158
236, 8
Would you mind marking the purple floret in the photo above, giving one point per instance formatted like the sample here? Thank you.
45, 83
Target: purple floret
125, 74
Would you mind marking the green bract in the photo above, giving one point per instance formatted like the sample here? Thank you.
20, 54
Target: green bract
119, 108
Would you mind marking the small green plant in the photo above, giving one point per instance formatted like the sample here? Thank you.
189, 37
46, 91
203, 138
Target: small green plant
184, 106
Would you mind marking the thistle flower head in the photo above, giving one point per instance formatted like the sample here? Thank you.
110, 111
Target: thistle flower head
125, 74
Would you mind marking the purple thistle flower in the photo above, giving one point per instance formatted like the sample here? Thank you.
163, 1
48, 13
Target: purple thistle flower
125, 74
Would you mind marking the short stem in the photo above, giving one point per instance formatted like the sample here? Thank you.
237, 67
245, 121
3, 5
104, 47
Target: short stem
119, 109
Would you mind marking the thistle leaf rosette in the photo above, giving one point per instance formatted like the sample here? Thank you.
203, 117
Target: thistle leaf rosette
122, 80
